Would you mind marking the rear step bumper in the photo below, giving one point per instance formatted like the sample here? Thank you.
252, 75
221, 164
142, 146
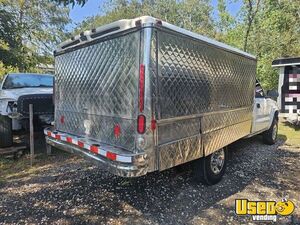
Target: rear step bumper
115, 160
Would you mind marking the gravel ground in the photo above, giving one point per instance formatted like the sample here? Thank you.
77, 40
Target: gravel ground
69, 190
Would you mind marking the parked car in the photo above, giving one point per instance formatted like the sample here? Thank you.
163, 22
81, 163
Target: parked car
143, 95
17, 91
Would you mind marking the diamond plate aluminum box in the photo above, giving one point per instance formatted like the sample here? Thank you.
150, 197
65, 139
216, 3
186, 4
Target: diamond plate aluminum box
199, 93
202, 91
96, 89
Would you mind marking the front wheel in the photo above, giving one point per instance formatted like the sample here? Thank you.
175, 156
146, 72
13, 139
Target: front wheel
6, 137
210, 170
270, 136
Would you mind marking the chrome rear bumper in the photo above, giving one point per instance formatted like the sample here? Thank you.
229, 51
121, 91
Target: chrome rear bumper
118, 162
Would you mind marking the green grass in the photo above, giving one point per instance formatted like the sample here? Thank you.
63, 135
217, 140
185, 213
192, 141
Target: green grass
10, 168
290, 134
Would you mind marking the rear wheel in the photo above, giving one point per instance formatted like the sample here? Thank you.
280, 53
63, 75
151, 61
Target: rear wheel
270, 136
210, 170
6, 138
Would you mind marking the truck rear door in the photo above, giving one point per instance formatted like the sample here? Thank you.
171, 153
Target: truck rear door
96, 90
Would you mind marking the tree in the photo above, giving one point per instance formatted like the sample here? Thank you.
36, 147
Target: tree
226, 21
275, 34
10, 46
266, 28
194, 15
30, 31
252, 7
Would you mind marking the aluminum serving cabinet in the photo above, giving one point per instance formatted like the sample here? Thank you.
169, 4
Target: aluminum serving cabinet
142, 95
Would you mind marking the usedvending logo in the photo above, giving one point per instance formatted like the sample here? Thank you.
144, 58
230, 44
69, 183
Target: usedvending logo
264, 210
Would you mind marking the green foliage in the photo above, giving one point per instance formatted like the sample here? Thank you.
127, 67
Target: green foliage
29, 31
275, 34
194, 15
226, 21
269, 29
6, 69
9, 43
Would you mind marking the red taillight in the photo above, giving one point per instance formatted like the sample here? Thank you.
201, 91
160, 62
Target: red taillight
111, 155
141, 124
62, 119
142, 87
117, 130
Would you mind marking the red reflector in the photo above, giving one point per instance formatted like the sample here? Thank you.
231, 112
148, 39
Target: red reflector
49, 133
94, 149
62, 119
141, 87
141, 124
153, 125
117, 130
69, 139
80, 144
111, 155
57, 136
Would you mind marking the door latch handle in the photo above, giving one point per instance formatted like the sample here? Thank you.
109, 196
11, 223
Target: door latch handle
258, 105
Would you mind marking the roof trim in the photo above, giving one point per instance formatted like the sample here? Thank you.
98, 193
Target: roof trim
143, 21
281, 62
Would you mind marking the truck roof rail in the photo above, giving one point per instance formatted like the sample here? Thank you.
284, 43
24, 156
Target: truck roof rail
98, 32
125, 24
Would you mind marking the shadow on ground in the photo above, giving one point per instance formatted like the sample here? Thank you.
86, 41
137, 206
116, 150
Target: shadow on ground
68, 190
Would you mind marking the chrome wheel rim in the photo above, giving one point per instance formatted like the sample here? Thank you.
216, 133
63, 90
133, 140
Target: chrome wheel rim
274, 132
217, 161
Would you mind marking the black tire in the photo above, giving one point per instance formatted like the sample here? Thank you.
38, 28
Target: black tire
270, 136
203, 171
6, 137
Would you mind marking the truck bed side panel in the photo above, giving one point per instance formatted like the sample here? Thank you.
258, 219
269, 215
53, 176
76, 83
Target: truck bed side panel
205, 96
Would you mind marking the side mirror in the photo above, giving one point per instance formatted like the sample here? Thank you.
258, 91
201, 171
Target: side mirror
272, 94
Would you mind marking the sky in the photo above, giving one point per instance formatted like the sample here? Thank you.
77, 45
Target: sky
93, 7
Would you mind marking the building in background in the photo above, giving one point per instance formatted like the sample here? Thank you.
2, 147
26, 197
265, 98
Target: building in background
289, 88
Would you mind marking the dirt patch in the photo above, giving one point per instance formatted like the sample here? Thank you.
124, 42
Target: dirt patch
64, 189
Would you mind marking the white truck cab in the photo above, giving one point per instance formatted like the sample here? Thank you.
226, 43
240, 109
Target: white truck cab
17, 91
265, 114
